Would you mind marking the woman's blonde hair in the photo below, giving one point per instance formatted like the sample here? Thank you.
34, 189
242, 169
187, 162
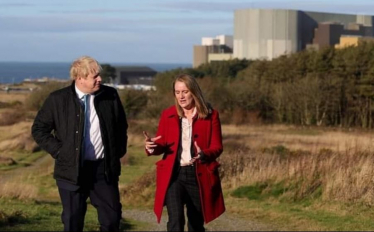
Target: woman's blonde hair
83, 66
201, 105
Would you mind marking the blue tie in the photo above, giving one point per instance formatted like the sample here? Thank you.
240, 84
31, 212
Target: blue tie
86, 99
85, 125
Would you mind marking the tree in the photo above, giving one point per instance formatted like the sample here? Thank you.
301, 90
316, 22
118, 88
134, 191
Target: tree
108, 73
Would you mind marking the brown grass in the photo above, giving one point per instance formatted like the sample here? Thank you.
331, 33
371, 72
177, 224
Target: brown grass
17, 137
339, 163
311, 139
14, 96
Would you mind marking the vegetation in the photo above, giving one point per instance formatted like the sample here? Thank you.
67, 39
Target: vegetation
328, 87
108, 73
298, 151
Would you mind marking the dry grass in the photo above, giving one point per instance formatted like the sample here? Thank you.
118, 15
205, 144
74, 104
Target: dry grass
18, 190
311, 139
13, 96
17, 137
339, 164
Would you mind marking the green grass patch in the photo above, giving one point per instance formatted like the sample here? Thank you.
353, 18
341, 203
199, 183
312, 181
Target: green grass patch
138, 164
16, 215
22, 159
260, 191
259, 203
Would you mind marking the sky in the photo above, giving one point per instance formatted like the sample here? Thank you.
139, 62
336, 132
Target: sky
130, 31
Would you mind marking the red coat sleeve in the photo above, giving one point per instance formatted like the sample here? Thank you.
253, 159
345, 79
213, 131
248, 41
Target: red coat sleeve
215, 148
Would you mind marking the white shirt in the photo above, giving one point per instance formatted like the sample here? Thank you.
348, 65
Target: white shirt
186, 140
93, 144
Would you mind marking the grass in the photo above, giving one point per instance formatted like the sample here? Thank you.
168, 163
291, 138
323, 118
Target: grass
287, 177
22, 159
304, 216
138, 164
45, 216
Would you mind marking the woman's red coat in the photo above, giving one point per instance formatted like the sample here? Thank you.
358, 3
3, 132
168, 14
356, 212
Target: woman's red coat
207, 133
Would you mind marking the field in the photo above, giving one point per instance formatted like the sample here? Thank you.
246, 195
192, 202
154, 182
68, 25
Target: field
281, 176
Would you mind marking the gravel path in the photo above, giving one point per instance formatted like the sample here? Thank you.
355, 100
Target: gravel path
225, 222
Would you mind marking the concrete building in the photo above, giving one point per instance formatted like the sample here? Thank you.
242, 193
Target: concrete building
330, 33
349, 40
269, 33
222, 44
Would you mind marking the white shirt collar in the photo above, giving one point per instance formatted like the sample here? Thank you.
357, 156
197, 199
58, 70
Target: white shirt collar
80, 94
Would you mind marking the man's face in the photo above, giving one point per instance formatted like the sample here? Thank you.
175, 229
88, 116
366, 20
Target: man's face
90, 84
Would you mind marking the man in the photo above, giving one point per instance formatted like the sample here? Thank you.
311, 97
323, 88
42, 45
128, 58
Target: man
84, 128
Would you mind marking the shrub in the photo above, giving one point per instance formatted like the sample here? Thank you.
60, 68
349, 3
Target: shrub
37, 98
133, 101
11, 117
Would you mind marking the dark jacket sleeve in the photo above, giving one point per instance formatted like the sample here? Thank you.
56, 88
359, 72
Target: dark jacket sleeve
121, 127
42, 129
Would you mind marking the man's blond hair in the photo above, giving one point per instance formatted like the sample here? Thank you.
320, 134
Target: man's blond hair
83, 66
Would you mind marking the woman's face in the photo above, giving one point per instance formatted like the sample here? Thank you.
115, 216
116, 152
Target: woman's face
183, 95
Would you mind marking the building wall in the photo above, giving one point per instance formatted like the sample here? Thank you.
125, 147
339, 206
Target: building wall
225, 40
200, 55
264, 33
208, 41
219, 56
269, 33
346, 41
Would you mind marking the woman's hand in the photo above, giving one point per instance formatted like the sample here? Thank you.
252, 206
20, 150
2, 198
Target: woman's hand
150, 142
198, 156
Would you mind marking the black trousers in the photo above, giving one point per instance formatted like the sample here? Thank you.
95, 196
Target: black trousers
184, 190
104, 197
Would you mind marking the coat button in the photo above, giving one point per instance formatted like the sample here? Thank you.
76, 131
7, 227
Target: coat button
77, 115
76, 149
76, 132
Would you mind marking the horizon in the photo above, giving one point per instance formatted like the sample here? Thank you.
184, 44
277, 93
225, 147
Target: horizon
116, 63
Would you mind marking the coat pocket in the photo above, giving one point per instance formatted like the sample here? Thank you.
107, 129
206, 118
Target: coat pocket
213, 175
160, 172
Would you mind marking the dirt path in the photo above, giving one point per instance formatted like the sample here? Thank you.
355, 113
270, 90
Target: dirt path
225, 222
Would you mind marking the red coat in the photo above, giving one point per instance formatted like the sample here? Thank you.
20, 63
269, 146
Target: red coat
207, 133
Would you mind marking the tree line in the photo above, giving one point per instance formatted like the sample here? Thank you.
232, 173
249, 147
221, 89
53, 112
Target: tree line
330, 87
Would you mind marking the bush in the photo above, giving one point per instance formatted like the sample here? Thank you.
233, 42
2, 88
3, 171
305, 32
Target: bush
133, 101
37, 98
11, 117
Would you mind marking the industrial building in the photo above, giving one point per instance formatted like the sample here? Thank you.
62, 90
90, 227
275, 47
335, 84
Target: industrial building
218, 48
270, 33
134, 77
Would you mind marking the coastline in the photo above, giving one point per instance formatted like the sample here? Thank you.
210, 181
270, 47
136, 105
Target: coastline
16, 72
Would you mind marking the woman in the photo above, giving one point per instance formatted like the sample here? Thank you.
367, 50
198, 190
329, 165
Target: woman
189, 138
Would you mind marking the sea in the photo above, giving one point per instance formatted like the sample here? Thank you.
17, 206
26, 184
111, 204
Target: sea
16, 72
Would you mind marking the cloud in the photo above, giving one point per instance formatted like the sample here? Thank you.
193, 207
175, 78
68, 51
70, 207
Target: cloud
11, 5
108, 47
101, 11
228, 7
53, 24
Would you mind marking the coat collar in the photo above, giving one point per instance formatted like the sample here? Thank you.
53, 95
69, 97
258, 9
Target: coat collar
72, 88
171, 112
